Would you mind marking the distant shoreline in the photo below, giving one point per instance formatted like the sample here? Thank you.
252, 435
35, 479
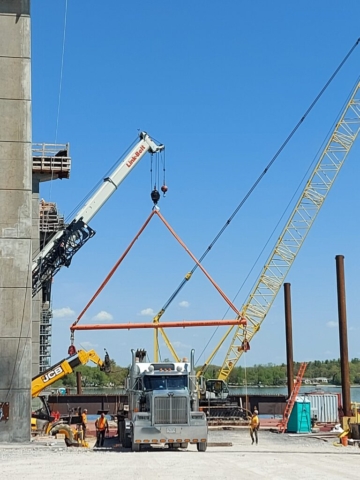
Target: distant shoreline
308, 385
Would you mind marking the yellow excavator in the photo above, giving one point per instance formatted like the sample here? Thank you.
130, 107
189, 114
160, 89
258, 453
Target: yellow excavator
42, 420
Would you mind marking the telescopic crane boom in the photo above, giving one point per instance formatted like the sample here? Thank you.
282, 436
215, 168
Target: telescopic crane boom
292, 237
66, 366
63, 246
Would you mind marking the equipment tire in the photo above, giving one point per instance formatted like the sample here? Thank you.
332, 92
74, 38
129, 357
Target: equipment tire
135, 447
201, 446
126, 442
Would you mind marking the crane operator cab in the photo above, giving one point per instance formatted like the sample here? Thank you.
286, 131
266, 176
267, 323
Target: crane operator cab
216, 389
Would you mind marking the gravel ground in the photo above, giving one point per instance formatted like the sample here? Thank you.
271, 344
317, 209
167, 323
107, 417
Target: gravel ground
276, 457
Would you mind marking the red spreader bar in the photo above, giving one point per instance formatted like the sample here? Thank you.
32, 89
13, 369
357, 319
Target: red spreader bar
113, 270
184, 324
157, 325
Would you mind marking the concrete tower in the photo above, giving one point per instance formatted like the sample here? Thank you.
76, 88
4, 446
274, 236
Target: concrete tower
15, 221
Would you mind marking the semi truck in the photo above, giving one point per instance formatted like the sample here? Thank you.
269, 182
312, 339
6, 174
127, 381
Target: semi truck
163, 405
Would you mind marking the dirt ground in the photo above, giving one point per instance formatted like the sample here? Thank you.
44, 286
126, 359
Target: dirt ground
276, 457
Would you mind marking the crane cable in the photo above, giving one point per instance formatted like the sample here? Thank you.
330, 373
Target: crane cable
59, 104
310, 168
292, 133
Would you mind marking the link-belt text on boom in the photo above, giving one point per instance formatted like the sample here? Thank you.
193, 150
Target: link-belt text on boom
135, 156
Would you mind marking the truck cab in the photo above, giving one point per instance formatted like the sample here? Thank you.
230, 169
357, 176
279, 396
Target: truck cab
163, 405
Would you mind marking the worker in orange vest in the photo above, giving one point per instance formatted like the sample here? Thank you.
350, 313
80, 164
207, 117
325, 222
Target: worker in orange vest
101, 426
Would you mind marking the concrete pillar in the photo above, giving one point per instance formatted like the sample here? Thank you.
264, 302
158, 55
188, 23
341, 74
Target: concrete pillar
15, 218
36, 303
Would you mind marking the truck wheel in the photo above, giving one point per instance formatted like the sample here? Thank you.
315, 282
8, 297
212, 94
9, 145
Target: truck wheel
126, 443
201, 446
135, 447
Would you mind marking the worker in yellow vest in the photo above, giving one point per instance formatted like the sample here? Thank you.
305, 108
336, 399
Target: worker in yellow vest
84, 422
254, 427
101, 426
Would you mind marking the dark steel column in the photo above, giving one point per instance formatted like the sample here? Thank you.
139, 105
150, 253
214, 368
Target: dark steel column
78, 383
289, 342
344, 353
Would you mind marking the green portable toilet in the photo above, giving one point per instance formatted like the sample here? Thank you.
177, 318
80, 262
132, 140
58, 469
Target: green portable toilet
300, 418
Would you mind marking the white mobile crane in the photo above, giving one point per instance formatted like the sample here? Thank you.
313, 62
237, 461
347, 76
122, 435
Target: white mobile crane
62, 247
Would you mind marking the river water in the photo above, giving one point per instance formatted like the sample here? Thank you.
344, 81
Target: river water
355, 391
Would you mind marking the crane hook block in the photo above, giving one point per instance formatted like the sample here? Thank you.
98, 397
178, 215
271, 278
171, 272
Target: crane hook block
72, 350
164, 189
155, 196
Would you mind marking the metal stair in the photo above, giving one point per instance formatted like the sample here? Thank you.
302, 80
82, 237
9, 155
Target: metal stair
291, 401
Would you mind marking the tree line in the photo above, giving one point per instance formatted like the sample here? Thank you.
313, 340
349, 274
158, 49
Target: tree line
276, 375
94, 377
269, 375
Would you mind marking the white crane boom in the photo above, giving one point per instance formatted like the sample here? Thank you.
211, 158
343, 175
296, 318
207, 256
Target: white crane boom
61, 248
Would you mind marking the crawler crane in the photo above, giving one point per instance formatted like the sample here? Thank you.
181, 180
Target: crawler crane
284, 253
292, 237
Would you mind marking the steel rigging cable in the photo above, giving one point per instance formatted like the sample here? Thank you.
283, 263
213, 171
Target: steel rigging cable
279, 221
292, 133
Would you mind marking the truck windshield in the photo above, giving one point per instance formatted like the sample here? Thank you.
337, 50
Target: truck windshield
164, 382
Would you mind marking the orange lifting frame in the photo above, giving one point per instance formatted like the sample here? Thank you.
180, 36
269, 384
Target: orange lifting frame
184, 324
237, 321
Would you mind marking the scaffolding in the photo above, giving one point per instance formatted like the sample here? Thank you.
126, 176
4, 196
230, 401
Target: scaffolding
45, 339
50, 220
50, 223
51, 161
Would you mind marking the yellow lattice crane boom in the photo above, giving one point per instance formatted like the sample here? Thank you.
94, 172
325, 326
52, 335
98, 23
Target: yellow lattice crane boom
292, 237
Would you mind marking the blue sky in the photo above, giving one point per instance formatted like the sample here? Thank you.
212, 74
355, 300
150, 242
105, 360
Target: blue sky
221, 84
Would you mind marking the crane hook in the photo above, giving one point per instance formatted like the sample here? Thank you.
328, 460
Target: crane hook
155, 196
72, 349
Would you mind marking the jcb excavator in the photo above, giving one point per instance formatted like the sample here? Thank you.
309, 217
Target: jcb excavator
42, 419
